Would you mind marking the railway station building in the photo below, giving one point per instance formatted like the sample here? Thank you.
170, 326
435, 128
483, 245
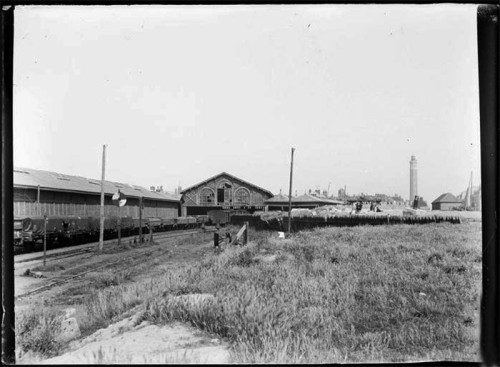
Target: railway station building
38, 193
223, 192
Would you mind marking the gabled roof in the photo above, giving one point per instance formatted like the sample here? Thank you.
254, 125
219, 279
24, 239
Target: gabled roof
446, 198
31, 178
230, 176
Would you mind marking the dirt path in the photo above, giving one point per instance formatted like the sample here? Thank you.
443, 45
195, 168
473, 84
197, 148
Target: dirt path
145, 343
126, 341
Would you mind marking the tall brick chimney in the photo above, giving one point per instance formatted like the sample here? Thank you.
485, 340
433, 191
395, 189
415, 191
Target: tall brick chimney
413, 178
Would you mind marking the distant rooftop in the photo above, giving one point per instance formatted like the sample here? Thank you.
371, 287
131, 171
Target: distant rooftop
306, 198
446, 198
31, 178
278, 199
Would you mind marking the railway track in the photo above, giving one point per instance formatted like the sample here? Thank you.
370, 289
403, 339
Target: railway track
56, 254
131, 260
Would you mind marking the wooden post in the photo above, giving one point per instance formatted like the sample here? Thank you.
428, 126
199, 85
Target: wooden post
44, 238
38, 211
101, 231
140, 219
216, 239
245, 238
119, 227
290, 195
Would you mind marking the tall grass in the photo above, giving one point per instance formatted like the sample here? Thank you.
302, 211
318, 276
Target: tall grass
385, 293
357, 294
36, 333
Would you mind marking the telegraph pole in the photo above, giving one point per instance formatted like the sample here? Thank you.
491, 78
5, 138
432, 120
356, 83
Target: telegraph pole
38, 211
101, 231
290, 196
44, 239
140, 219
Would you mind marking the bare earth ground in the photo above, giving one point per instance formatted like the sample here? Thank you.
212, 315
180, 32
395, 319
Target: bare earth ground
144, 343
125, 341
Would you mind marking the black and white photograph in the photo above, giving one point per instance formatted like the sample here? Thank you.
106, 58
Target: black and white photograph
246, 184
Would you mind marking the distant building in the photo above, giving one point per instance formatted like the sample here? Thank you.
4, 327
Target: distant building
421, 203
223, 192
446, 201
306, 201
278, 202
342, 193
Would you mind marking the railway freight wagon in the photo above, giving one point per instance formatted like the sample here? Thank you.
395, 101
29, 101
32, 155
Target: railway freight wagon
67, 230
186, 222
70, 230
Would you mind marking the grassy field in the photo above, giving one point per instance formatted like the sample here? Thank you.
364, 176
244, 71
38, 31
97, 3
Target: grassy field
360, 294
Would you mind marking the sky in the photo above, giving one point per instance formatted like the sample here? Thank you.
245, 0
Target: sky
181, 93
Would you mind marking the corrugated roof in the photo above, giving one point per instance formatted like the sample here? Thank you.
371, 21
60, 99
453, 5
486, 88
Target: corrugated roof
446, 198
231, 176
31, 178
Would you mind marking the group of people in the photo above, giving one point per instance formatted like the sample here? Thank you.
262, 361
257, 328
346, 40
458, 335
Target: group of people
358, 206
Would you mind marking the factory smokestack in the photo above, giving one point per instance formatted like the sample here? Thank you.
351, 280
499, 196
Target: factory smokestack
413, 178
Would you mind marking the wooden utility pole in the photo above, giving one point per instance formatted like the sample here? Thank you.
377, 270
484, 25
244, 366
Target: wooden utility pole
44, 238
119, 226
38, 211
290, 196
101, 231
140, 219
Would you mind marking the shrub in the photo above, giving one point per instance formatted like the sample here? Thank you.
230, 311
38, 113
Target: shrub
36, 332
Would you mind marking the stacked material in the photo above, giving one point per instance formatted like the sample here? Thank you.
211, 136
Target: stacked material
279, 221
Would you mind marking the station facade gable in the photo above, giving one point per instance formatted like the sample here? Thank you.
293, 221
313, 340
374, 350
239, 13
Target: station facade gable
223, 191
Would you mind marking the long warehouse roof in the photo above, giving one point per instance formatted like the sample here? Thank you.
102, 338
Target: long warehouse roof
31, 178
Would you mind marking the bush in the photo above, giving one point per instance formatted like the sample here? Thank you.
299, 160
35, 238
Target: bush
36, 332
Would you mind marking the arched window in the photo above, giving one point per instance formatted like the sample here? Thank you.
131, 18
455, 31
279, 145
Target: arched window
207, 196
242, 196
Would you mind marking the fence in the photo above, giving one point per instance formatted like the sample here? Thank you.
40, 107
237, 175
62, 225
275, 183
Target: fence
240, 238
301, 223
